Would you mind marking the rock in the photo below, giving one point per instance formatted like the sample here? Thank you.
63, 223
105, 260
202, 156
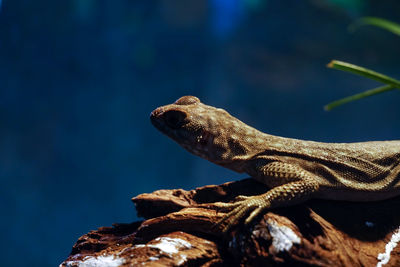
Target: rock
179, 230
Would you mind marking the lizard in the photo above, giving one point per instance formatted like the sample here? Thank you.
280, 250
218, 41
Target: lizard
294, 170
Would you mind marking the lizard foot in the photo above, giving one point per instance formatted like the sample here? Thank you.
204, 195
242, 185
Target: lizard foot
254, 205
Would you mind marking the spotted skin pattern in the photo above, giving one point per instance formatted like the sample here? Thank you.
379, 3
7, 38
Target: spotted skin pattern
295, 170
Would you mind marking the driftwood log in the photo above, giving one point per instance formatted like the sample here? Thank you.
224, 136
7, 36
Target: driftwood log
179, 230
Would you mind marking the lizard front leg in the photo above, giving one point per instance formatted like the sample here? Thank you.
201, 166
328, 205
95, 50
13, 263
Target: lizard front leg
292, 185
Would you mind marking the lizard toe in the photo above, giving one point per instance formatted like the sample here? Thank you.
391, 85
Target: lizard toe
241, 198
253, 215
223, 206
234, 216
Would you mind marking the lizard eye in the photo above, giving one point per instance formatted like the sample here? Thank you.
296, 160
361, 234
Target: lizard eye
175, 119
187, 100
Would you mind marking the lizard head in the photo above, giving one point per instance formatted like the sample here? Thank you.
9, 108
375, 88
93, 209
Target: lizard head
203, 130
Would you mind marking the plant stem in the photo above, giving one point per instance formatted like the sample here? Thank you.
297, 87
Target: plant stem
364, 94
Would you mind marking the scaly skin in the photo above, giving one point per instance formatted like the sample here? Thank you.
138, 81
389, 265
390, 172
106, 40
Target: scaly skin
295, 170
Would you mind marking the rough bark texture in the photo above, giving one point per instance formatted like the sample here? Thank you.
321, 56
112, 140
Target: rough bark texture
177, 231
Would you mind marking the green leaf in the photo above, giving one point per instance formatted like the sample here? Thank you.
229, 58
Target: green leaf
359, 96
344, 66
378, 22
391, 83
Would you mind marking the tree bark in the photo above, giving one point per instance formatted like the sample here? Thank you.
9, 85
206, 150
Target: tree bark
179, 230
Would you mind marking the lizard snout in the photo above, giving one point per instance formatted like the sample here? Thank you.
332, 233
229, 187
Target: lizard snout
170, 118
156, 112
155, 116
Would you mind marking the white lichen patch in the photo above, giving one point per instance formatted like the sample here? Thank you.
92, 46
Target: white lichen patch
170, 245
182, 260
100, 261
385, 257
283, 237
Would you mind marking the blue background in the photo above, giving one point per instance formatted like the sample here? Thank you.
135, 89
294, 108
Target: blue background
79, 78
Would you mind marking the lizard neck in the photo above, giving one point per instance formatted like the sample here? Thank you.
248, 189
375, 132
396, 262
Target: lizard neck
234, 149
